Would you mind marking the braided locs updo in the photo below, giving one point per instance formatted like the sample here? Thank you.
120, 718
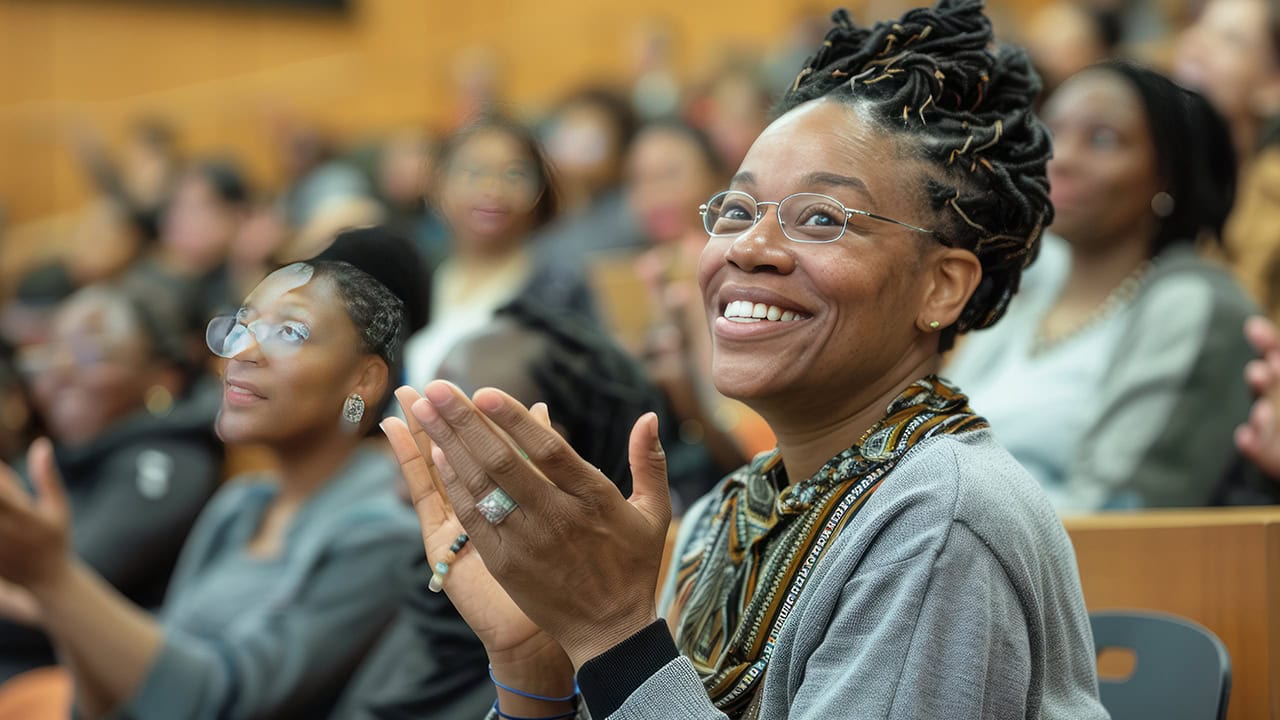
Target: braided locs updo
966, 106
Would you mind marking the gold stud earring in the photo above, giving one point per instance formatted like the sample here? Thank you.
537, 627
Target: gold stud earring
934, 325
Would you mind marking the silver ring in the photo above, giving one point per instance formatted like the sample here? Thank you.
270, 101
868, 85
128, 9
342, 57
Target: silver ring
496, 506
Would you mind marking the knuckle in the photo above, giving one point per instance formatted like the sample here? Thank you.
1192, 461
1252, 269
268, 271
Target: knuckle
502, 461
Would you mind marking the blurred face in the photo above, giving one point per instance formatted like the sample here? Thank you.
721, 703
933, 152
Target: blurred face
666, 181
94, 370
1063, 40
198, 225
847, 308
1103, 173
490, 190
294, 360
583, 145
404, 168
1227, 56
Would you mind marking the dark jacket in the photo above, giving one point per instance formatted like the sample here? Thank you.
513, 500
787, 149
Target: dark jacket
134, 491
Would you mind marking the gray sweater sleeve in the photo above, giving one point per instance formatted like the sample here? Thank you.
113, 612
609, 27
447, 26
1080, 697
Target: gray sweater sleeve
302, 651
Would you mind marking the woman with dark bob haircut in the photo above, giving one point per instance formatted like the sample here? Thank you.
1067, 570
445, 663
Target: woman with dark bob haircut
889, 559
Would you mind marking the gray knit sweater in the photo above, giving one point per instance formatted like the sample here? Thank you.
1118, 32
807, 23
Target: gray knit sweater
953, 594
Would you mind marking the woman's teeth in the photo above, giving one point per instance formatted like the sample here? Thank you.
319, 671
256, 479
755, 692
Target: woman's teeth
746, 311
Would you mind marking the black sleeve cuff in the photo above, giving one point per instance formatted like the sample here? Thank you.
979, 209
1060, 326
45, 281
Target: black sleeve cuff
608, 679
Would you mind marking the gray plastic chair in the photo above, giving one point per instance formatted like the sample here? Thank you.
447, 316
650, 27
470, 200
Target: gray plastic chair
1183, 671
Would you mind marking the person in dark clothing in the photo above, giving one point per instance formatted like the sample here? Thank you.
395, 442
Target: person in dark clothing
132, 440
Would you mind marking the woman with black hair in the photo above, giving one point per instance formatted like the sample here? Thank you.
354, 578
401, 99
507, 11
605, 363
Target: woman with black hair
889, 559
1127, 346
275, 595
494, 188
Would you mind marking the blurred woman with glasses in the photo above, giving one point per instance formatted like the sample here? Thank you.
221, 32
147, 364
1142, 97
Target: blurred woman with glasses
494, 188
888, 559
132, 440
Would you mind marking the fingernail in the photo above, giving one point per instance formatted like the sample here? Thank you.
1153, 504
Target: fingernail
424, 411
382, 426
488, 401
440, 394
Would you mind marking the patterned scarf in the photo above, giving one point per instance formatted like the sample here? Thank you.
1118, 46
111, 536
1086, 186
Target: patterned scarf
736, 589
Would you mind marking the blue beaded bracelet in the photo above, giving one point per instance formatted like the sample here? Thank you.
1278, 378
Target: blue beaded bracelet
531, 696
504, 716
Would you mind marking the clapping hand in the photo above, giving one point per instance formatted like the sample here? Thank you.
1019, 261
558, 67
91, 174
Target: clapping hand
1259, 437
507, 633
35, 531
579, 560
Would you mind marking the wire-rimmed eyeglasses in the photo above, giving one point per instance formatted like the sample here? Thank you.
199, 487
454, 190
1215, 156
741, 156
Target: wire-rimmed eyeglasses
804, 217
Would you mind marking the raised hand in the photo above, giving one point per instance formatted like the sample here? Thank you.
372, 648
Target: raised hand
1259, 437
579, 559
35, 535
507, 633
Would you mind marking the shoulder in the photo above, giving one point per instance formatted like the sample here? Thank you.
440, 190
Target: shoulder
1181, 278
360, 506
966, 480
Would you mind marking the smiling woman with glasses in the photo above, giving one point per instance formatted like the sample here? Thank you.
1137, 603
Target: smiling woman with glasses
888, 559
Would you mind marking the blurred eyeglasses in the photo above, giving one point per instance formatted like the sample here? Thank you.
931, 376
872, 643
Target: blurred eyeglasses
804, 217
519, 181
79, 352
229, 335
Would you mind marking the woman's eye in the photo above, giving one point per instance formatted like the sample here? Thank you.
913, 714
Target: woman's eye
736, 211
293, 332
816, 215
1104, 139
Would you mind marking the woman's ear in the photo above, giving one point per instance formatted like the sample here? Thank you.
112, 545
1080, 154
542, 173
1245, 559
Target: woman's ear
373, 379
951, 276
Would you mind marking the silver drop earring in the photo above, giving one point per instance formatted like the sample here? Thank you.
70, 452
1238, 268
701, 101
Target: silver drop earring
1162, 204
353, 409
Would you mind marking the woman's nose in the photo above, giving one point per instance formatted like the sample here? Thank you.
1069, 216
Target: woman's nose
763, 247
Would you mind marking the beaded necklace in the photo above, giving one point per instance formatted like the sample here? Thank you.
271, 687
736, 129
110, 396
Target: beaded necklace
1119, 298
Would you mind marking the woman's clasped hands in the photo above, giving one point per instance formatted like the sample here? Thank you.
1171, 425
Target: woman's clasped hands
571, 571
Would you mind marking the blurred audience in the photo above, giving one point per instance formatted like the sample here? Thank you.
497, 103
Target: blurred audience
323, 194
1110, 397
187, 269
139, 180
131, 439
1064, 38
494, 190
1232, 55
733, 109
269, 608
587, 138
404, 175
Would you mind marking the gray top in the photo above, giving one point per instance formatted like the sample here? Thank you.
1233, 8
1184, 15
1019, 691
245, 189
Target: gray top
1141, 404
247, 637
953, 594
